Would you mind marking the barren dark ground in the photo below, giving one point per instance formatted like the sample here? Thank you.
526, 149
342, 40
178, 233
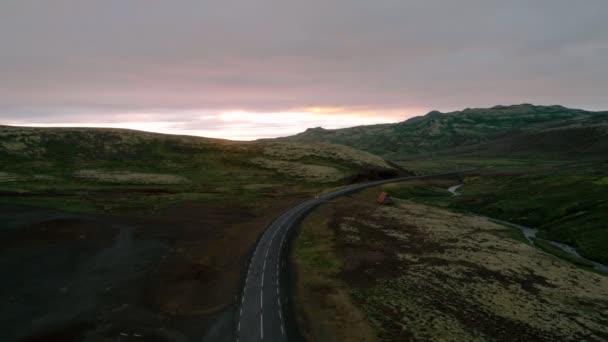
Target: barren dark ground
167, 277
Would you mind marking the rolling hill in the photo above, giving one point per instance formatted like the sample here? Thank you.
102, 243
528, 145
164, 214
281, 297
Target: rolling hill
77, 162
540, 166
120, 226
517, 131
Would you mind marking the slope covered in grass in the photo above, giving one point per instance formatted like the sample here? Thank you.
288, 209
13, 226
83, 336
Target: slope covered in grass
415, 272
568, 202
104, 229
108, 169
518, 131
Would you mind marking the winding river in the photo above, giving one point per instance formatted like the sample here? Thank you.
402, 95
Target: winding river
454, 189
530, 234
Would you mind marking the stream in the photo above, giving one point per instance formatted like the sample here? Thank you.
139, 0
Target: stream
530, 234
455, 188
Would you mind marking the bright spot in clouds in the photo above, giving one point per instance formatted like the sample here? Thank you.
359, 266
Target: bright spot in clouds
240, 125
267, 68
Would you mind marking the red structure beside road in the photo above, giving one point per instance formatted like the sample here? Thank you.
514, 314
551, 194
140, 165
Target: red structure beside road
384, 198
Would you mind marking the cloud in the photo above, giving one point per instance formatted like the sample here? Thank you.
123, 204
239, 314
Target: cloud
116, 61
237, 125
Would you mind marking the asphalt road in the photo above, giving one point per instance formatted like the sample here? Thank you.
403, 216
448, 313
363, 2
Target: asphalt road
261, 316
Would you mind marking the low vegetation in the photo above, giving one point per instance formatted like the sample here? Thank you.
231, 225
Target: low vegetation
421, 273
127, 177
304, 172
565, 200
318, 267
519, 131
292, 151
84, 169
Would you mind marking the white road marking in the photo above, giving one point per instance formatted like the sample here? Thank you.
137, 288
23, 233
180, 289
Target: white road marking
262, 326
238, 329
262, 299
274, 235
241, 313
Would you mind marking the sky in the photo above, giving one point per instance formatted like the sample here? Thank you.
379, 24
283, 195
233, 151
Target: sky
264, 68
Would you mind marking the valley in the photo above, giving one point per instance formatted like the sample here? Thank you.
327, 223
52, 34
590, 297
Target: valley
111, 232
447, 260
303, 171
140, 235
563, 199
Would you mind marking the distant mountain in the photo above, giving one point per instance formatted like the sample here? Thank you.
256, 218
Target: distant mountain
516, 131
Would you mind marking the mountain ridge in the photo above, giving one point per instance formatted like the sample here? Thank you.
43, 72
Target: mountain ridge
438, 132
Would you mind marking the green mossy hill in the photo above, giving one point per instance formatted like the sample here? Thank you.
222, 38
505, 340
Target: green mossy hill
518, 131
39, 164
54, 149
566, 201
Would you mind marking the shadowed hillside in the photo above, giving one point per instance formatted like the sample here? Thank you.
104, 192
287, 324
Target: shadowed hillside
79, 161
517, 131
109, 232
541, 166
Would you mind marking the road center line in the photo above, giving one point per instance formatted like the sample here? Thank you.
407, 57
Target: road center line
262, 326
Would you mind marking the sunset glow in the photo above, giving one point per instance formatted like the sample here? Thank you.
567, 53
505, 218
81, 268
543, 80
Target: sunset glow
239, 125
267, 69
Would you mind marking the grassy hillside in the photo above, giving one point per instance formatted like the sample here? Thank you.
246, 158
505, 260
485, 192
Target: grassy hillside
539, 166
518, 131
109, 169
413, 272
542, 166
567, 201
108, 232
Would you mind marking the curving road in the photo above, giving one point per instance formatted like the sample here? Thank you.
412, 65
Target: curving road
261, 316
